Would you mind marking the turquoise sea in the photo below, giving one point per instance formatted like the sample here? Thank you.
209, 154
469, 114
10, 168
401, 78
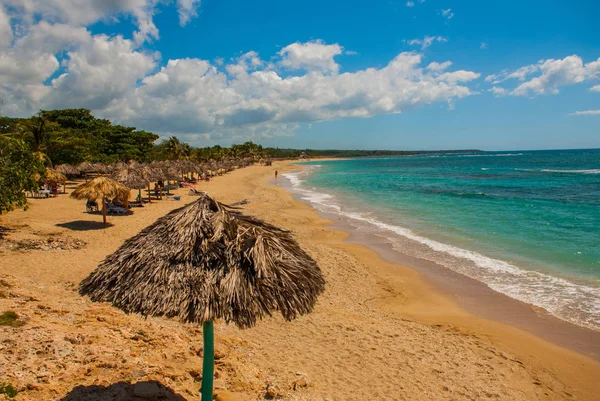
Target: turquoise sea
526, 223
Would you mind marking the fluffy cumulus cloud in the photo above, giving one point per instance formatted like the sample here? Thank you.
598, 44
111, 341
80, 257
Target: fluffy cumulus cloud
313, 56
195, 96
49, 59
548, 76
187, 9
595, 88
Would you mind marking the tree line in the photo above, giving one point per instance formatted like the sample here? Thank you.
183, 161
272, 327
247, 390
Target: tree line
52, 137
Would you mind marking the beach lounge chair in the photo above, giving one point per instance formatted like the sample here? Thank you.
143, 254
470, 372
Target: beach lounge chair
114, 209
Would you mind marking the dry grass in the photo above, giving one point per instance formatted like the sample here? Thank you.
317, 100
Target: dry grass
10, 318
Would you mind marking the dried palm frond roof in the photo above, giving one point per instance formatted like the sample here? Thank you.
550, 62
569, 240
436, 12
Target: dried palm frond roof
66, 169
131, 176
100, 168
85, 166
54, 176
51, 176
101, 187
206, 261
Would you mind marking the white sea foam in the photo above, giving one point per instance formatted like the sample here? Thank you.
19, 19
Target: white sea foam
547, 170
496, 155
577, 303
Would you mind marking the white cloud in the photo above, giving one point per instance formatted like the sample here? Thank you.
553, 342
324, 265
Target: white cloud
427, 41
447, 13
193, 96
99, 72
585, 113
86, 12
498, 92
6, 34
187, 9
556, 73
595, 88
437, 67
312, 56
519, 74
483, 45
410, 4
53, 61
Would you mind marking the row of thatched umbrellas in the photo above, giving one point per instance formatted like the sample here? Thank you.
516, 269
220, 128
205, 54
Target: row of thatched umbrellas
115, 181
167, 169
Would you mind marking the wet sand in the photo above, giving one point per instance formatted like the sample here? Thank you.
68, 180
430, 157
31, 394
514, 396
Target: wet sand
381, 330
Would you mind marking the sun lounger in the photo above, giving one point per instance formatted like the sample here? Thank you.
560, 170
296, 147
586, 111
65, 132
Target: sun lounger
113, 209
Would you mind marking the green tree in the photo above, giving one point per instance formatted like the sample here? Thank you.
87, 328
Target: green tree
18, 167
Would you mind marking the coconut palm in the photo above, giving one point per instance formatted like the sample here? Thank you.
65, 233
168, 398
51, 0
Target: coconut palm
206, 261
101, 188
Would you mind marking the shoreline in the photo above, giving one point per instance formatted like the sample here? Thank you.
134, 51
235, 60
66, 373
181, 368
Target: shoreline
513, 330
471, 294
379, 331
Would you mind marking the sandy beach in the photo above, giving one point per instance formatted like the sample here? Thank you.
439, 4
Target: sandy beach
381, 331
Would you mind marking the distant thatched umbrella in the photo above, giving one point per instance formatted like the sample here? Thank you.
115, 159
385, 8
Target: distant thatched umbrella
66, 169
101, 187
132, 176
54, 177
206, 261
85, 166
100, 168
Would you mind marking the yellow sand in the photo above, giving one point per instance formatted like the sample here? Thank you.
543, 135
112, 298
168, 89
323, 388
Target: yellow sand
379, 332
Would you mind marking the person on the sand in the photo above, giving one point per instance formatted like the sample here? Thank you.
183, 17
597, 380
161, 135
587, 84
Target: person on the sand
276, 173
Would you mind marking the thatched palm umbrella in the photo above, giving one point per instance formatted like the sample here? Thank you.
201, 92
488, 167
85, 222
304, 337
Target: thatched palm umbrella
66, 169
132, 176
206, 261
101, 187
85, 166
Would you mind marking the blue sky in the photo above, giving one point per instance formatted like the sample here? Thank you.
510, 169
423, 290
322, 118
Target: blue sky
317, 74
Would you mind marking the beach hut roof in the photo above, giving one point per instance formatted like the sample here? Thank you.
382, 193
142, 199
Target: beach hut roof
100, 168
66, 169
131, 177
85, 166
101, 187
55, 177
207, 261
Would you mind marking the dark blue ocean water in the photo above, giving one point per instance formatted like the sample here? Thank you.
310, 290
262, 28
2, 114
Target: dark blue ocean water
526, 223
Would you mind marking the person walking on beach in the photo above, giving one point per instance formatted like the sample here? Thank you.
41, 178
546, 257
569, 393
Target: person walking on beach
275, 174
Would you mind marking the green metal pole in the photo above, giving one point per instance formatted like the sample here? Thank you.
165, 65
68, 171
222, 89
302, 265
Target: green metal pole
208, 362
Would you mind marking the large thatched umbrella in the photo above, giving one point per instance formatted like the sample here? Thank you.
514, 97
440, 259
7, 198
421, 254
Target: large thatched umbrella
206, 261
101, 187
132, 176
